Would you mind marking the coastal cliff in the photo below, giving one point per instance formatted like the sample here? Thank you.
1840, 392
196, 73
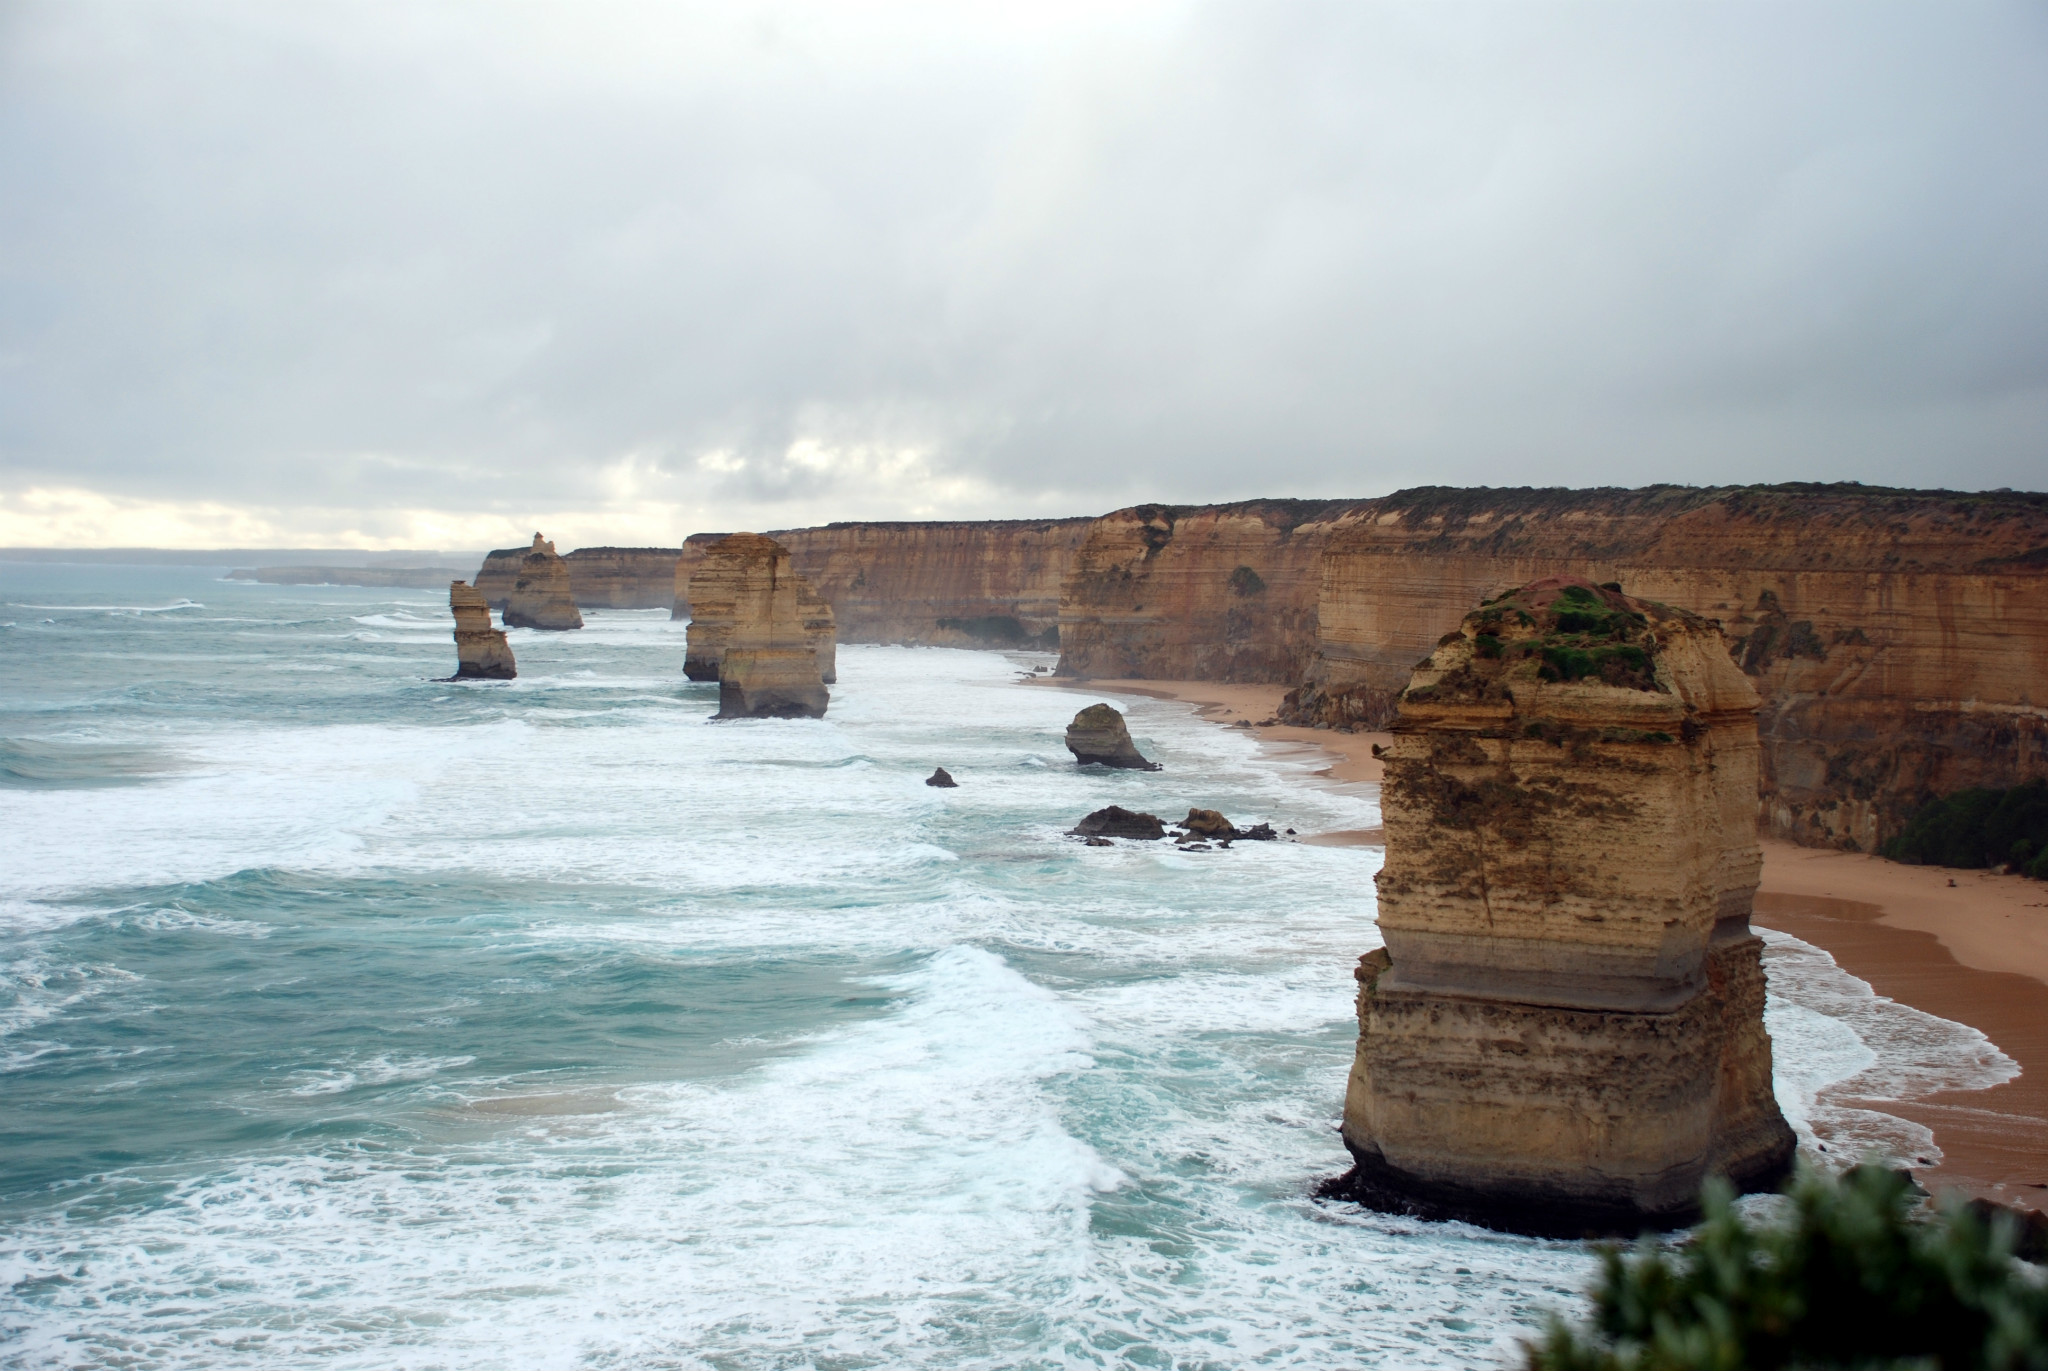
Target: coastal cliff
984, 583
1211, 593
622, 577
1898, 639
599, 577
1564, 1032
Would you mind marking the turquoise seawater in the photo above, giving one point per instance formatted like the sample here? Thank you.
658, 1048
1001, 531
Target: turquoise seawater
352, 1018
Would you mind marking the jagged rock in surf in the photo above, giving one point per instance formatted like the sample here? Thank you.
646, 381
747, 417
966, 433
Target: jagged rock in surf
943, 779
481, 652
1208, 823
1117, 822
541, 596
1564, 1032
1098, 737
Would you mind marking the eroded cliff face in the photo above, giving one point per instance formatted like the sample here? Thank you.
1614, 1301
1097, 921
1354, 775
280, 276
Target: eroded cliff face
687, 561
1564, 1032
759, 631
1211, 593
481, 652
986, 583
622, 577
1899, 640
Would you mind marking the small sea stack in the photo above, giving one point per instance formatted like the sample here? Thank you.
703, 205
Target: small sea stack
753, 631
943, 779
481, 652
1098, 737
1564, 1032
541, 596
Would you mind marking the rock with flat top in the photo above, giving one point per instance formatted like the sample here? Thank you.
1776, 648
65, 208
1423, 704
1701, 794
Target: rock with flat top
744, 593
756, 631
1564, 1032
541, 596
1098, 737
1118, 822
481, 652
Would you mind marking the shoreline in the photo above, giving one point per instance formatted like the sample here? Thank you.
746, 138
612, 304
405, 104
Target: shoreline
1968, 946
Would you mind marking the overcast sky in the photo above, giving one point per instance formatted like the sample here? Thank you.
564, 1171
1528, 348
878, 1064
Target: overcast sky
436, 275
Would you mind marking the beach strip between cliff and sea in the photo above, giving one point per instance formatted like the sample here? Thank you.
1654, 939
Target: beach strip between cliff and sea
1968, 946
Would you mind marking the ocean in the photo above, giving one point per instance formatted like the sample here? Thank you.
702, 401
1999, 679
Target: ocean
352, 1018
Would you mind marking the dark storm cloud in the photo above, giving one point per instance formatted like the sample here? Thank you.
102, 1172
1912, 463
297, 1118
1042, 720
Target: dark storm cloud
944, 260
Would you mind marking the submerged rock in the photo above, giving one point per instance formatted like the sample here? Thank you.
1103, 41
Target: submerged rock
943, 779
1564, 1032
541, 596
1098, 737
481, 652
1118, 822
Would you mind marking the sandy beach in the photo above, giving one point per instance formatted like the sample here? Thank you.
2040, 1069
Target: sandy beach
1970, 946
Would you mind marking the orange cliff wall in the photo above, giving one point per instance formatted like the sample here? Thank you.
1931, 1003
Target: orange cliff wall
599, 577
1899, 639
1214, 592
987, 583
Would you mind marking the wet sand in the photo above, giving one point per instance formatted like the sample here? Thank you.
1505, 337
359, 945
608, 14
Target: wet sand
1921, 942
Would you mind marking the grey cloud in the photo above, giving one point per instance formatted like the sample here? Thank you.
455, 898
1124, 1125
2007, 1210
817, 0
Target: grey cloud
468, 254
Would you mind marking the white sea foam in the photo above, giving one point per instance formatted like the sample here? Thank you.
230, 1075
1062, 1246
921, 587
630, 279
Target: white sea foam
1834, 1039
1076, 1126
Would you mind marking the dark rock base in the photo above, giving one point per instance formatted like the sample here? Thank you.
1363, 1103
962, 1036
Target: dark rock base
1376, 1184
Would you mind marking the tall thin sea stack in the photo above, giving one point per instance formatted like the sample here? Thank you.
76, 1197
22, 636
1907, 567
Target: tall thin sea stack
1564, 1032
541, 596
756, 629
481, 652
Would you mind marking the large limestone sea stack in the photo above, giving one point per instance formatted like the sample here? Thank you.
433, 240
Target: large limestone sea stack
759, 631
726, 584
481, 652
1564, 1032
540, 596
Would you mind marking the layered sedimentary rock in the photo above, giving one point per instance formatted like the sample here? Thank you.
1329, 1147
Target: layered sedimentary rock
623, 577
481, 652
540, 596
1211, 593
986, 583
731, 575
1564, 1032
691, 557
755, 631
1899, 639
1098, 736
599, 577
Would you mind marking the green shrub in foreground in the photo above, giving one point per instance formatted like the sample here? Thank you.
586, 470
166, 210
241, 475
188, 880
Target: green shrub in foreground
1851, 1279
